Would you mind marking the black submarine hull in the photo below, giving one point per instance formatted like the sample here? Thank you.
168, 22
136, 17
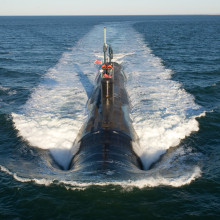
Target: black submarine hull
106, 141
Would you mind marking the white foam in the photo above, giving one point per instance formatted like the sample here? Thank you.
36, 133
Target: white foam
148, 181
7, 90
25, 180
120, 56
3, 88
143, 183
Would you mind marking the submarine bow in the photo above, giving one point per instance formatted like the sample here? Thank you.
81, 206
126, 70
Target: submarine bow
106, 141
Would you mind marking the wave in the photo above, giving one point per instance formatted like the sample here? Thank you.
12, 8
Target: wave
7, 91
151, 181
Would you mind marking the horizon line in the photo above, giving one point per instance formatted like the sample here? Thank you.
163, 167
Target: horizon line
111, 15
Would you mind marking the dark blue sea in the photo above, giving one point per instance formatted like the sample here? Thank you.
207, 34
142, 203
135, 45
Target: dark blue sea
172, 65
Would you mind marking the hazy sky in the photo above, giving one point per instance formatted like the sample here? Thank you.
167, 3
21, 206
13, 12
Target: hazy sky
111, 7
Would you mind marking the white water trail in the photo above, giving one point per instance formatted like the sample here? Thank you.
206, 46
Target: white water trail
55, 112
163, 112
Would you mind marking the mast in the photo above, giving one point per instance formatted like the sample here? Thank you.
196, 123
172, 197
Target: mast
105, 47
107, 87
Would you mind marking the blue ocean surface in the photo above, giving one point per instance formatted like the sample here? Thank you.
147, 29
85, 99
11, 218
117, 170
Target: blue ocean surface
47, 70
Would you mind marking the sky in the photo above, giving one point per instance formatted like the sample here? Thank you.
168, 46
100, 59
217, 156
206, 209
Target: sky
108, 7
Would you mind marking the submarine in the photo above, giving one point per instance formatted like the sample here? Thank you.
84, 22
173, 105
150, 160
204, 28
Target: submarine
107, 139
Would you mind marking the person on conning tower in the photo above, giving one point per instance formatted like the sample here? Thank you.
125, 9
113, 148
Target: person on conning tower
106, 70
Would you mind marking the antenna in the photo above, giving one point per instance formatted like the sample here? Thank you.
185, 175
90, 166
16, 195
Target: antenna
110, 52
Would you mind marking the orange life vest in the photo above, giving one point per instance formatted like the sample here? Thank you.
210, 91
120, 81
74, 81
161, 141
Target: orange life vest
110, 66
105, 67
106, 76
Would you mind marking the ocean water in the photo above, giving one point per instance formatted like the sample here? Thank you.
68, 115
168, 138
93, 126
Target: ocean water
47, 70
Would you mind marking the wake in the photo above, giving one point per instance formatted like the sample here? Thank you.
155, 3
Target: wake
163, 112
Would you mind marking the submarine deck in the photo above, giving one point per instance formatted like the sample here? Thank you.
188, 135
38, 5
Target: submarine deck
117, 108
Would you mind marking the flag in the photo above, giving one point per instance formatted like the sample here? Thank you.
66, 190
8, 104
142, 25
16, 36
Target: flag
98, 61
